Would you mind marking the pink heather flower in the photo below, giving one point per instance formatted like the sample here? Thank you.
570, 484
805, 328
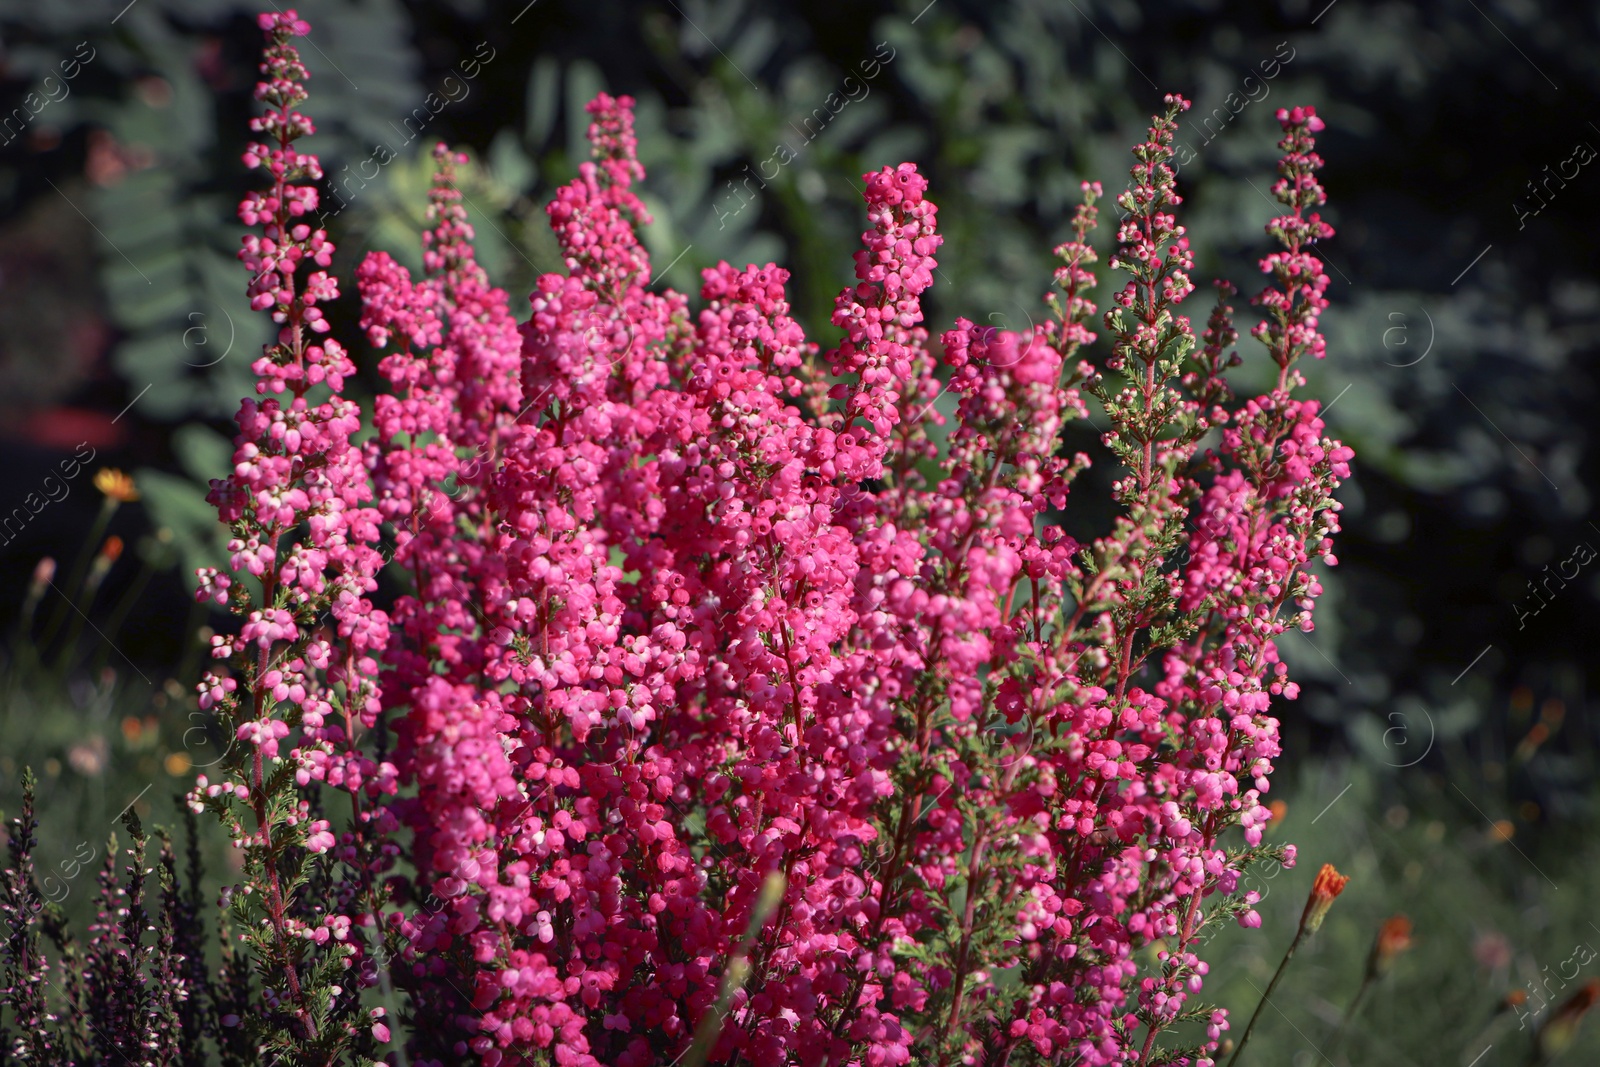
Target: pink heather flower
1296, 299
303, 556
713, 654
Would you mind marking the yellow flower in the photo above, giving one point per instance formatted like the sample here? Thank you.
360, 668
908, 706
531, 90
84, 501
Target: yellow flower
116, 485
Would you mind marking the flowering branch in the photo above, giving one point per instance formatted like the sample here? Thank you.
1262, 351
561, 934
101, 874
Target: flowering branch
742, 716
297, 506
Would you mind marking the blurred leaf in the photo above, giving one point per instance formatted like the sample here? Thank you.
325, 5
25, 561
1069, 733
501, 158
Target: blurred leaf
204, 453
180, 506
511, 166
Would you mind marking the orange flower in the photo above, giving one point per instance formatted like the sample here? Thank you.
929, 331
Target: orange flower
1530, 744
1394, 937
1279, 809
1562, 1026
111, 551
1329, 884
116, 485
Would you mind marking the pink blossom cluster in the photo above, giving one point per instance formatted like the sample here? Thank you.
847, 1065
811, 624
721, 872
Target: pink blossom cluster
301, 679
747, 700
1293, 304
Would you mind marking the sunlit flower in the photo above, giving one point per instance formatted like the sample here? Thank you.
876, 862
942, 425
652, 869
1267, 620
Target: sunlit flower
1329, 884
662, 648
116, 485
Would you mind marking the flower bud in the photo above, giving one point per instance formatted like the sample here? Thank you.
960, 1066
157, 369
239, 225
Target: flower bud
1394, 937
1329, 884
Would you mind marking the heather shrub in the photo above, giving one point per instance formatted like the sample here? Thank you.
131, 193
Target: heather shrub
745, 700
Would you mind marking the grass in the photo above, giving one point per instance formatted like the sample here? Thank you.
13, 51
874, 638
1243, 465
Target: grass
1496, 905
98, 749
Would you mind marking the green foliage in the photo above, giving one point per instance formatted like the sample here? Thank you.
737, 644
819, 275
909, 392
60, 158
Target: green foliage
1497, 906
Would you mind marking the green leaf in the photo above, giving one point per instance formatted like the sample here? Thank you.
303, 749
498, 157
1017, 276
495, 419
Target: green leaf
180, 506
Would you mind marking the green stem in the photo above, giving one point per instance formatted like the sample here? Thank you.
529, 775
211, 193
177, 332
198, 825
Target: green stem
70, 589
91, 589
736, 973
119, 615
1272, 985
1350, 1014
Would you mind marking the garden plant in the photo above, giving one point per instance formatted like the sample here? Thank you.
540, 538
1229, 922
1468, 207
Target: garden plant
643, 682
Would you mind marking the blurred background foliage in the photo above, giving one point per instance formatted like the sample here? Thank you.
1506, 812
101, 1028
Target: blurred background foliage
1451, 672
